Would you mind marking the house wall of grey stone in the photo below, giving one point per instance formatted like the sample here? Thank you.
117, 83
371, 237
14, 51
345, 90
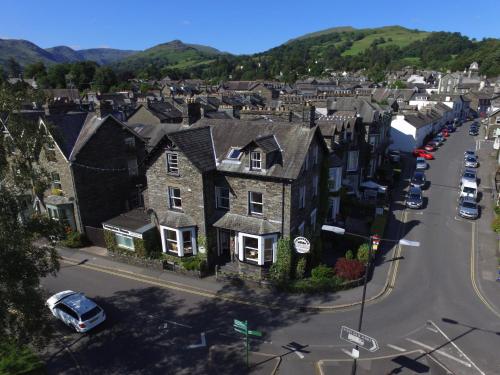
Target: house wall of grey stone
60, 165
103, 185
189, 181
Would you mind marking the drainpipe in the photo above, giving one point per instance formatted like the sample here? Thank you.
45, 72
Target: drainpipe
77, 205
282, 208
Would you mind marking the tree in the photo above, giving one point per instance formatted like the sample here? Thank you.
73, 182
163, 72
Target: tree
104, 78
23, 315
35, 70
82, 73
56, 75
13, 68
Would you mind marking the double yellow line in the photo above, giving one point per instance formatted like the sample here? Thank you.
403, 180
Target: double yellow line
473, 273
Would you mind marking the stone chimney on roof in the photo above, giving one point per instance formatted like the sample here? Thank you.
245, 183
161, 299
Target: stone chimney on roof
309, 115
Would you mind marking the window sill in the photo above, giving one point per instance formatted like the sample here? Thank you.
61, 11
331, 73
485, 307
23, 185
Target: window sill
175, 209
174, 174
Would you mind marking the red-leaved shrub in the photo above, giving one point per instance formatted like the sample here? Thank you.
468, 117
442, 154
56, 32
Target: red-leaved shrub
349, 269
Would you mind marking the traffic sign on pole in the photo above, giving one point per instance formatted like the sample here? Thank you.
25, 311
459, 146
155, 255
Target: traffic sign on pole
359, 339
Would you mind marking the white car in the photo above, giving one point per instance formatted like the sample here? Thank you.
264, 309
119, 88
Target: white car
421, 164
76, 310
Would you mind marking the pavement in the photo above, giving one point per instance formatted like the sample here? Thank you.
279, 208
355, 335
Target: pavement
437, 315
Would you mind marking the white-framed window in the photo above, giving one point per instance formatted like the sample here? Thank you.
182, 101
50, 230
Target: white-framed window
315, 185
133, 170
179, 241
172, 163
234, 153
174, 196
498, 120
313, 219
301, 229
302, 197
334, 178
222, 197
255, 203
124, 242
352, 161
333, 207
255, 160
130, 142
56, 180
256, 249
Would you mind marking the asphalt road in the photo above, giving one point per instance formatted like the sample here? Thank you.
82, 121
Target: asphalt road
431, 320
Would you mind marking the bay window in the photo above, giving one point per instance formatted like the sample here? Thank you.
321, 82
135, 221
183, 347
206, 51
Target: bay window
179, 241
257, 250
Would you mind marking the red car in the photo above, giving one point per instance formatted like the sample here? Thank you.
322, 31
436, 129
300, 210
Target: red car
430, 147
418, 152
446, 133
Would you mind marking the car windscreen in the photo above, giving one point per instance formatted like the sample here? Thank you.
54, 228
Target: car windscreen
91, 313
469, 204
469, 175
469, 190
471, 159
415, 197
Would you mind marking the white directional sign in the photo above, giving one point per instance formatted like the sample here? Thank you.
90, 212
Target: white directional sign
357, 338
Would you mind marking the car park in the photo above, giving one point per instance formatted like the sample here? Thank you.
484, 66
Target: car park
468, 189
414, 198
76, 310
421, 164
471, 162
418, 152
468, 208
418, 179
468, 175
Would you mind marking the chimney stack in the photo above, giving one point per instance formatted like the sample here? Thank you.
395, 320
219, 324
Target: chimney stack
309, 115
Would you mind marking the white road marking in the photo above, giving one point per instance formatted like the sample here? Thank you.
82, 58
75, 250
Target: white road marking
200, 345
399, 349
178, 324
431, 329
301, 356
444, 354
456, 347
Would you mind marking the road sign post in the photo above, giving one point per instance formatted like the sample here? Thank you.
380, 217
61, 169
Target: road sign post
242, 327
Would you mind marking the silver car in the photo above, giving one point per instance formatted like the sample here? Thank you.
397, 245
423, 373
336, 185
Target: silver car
421, 164
467, 208
471, 162
468, 175
469, 153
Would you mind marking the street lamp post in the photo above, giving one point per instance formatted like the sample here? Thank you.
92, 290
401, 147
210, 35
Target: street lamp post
374, 239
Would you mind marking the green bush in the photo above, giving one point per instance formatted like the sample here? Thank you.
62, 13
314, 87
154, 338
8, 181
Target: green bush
311, 285
363, 252
300, 268
321, 272
495, 225
349, 254
497, 210
194, 263
17, 359
75, 240
281, 270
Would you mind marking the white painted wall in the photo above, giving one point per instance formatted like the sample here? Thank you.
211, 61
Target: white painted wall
403, 134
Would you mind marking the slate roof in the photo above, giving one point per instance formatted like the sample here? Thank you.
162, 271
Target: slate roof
132, 220
176, 219
164, 110
153, 133
267, 143
330, 125
246, 224
66, 129
294, 141
196, 144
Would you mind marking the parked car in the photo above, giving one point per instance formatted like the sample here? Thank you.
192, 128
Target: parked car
421, 164
418, 152
438, 140
414, 198
429, 147
468, 189
76, 310
446, 133
468, 153
468, 175
394, 156
467, 208
471, 162
418, 179
473, 132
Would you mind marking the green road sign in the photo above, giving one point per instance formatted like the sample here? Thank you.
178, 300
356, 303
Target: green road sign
240, 324
244, 331
255, 333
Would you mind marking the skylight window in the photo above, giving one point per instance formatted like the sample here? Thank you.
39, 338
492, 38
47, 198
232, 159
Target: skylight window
234, 154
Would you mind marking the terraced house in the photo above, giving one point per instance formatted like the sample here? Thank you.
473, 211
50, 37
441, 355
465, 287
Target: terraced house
232, 188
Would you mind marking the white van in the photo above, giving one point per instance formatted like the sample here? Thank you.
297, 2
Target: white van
468, 189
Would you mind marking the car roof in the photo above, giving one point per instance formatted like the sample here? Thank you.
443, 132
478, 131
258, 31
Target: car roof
420, 158
59, 296
471, 157
419, 173
468, 183
415, 189
79, 303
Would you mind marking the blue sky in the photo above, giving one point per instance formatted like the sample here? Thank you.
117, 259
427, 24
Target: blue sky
232, 26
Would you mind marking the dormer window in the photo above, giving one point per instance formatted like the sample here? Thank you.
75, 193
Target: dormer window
255, 161
234, 153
